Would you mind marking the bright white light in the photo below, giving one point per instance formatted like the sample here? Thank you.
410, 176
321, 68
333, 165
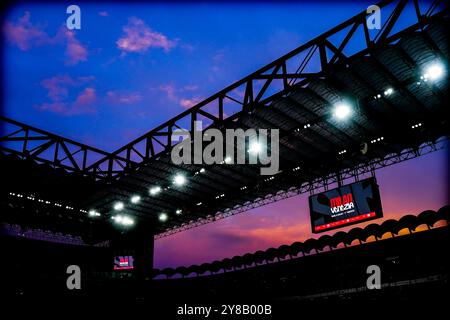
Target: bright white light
434, 72
155, 190
228, 160
135, 199
124, 220
342, 111
202, 170
388, 91
118, 206
179, 180
255, 148
178, 211
93, 213
163, 217
117, 219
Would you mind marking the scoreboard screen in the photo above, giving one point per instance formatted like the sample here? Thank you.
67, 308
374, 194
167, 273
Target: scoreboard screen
123, 263
346, 205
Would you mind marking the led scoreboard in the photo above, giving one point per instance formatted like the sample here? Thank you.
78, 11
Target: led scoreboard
346, 205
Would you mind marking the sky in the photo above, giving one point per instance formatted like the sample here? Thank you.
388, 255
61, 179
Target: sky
132, 67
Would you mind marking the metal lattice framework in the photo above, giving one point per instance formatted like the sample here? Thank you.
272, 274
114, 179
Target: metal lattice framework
28, 142
303, 64
319, 184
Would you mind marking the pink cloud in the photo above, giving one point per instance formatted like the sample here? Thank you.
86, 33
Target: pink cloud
103, 13
188, 103
123, 99
57, 86
75, 52
66, 108
86, 98
169, 90
175, 94
190, 87
24, 34
138, 37
56, 107
60, 88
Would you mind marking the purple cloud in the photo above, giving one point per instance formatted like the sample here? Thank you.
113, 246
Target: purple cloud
75, 51
188, 103
177, 94
114, 97
24, 34
138, 37
59, 89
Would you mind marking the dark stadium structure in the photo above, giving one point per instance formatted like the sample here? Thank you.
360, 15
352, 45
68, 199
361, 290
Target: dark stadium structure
53, 187
411, 251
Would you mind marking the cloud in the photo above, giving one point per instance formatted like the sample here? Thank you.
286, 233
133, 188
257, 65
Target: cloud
24, 34
218, 63
114, 97
75, 52
60, 90
86, 98
75, 96
57, 87
169, 90
103, 13
138, 37
190, 87
56, 107
188, 103
176, 94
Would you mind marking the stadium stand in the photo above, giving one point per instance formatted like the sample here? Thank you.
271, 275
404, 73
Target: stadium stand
411, 252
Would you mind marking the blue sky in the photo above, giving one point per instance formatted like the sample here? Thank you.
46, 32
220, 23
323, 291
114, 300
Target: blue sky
192, 51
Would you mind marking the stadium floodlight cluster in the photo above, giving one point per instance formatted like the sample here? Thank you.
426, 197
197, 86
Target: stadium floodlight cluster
123, 220
155, 190
179, 180
163, 217
342, 111
433, 72
255, 148
93, 213
118, 206
135, 199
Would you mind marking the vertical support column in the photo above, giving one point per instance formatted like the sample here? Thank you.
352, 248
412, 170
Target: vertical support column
339, 179
143, 244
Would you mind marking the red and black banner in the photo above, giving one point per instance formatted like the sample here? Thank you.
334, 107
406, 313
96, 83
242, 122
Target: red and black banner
347, 205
